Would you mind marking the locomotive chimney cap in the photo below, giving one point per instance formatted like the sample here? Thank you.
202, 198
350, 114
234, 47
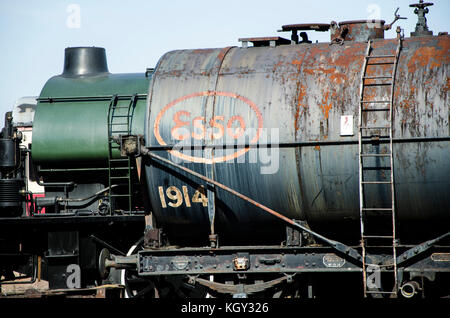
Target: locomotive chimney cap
84, 61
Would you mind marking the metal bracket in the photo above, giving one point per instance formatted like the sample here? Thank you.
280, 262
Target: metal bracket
419, 249
130, 145
294, 237
396, 17
153, 238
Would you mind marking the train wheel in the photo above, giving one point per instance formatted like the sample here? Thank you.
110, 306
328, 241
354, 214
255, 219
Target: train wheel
135, 286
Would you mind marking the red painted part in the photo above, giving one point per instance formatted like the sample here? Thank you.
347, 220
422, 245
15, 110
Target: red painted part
41, 195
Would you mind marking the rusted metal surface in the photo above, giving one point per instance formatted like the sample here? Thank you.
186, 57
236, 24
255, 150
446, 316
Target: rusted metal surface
301, 90
359, 30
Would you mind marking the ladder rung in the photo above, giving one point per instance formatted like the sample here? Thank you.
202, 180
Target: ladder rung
378, 236
376, 168
119, 195
378, 84
118, 160
379, 56
379, 292
120, 116
375, 101
375, 137
374, 154
376, 77
116, 107
377, 209
375, 127
376, 182
125, 177
380, 63
375, 109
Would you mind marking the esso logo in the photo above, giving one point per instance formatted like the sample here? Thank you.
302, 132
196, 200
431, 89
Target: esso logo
184, 124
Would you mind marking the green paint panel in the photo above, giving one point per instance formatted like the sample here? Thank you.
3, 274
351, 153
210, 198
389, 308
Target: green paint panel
77, 131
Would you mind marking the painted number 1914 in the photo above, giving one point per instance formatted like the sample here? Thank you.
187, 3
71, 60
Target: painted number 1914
177, 196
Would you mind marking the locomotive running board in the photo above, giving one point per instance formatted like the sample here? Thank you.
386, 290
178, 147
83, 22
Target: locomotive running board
340, 247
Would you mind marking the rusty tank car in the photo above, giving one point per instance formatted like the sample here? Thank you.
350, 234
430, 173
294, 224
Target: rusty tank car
254, 171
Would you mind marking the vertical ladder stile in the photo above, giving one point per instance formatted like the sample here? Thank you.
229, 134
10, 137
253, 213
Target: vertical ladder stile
360, 163
391, 117
111, 109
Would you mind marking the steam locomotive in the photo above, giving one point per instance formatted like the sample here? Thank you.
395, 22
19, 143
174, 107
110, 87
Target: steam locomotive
283, 169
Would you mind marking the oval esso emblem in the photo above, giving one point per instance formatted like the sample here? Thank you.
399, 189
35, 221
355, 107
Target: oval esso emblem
185, 124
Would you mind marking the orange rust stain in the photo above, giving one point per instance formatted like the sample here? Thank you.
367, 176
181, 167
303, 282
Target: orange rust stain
301, 95
338, 78
349, 55
334, 75
325, 105
405, 104
317, 147
276, 66
429, 57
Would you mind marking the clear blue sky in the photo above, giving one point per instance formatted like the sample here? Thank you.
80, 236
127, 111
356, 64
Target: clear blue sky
135, 33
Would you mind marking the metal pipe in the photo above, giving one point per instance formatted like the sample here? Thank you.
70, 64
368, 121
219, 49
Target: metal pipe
299, 143
85, 199
56, 184
409, 289
86, 98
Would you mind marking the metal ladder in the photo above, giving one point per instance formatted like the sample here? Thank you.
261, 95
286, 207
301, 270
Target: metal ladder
119, 123
367, 133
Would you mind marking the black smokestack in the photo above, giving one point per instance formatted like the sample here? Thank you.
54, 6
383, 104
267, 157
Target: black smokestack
84, 61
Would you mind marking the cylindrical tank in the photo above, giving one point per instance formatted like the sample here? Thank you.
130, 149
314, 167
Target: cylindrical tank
71, 120
297, 96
